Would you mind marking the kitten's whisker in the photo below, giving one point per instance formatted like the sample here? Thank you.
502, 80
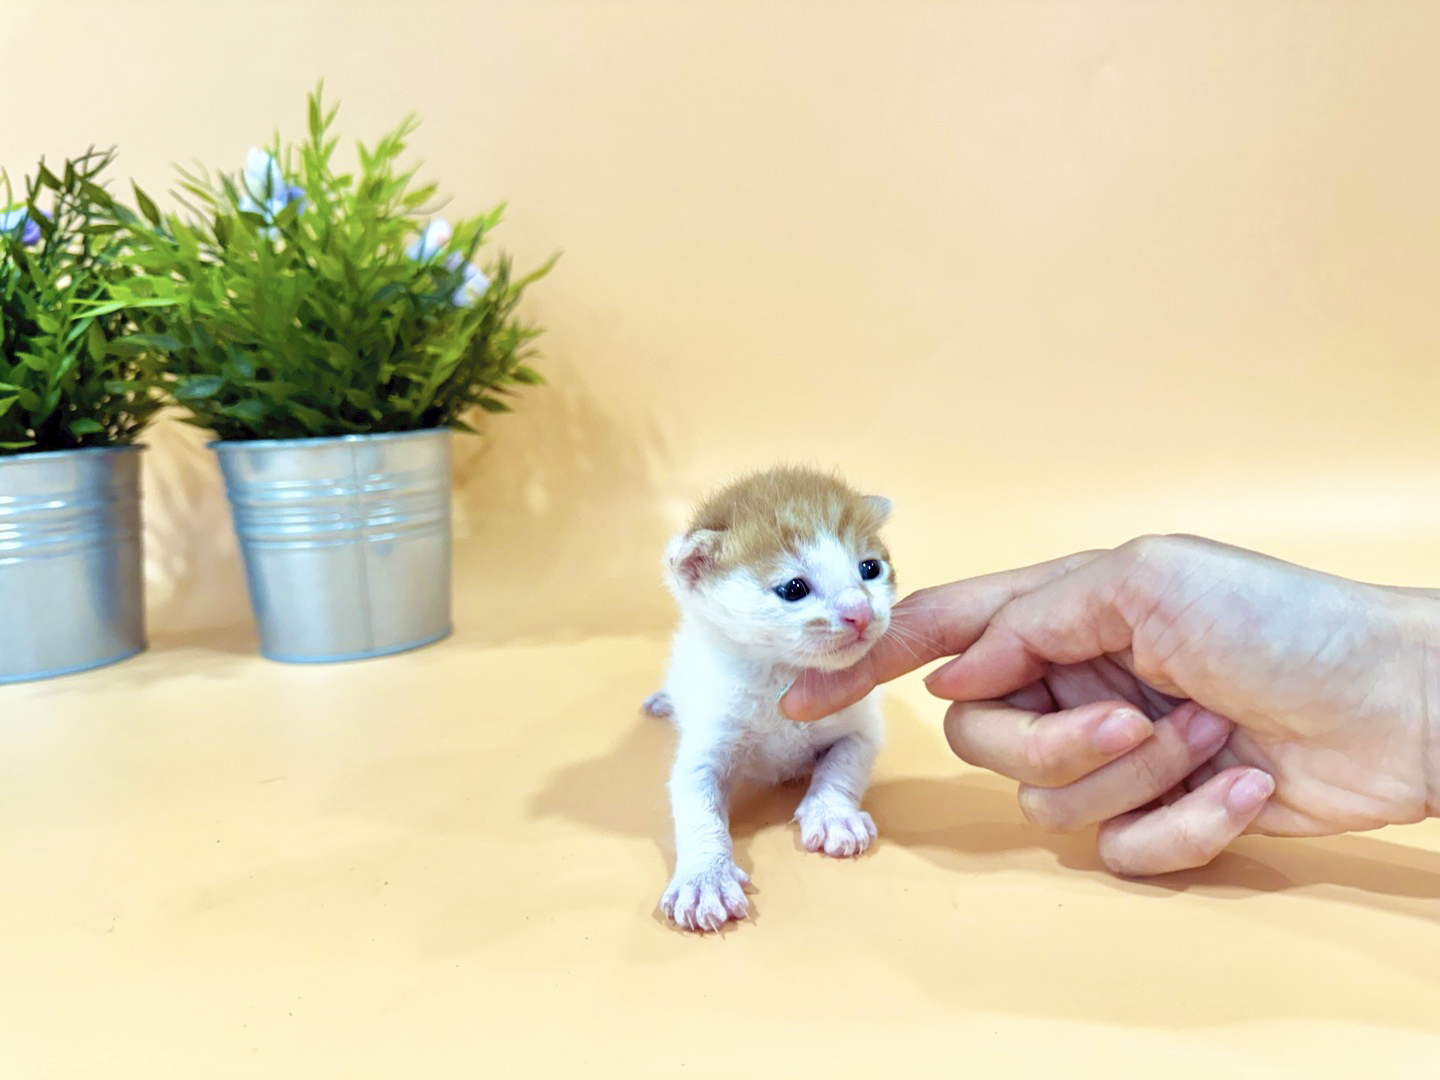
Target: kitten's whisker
914, 643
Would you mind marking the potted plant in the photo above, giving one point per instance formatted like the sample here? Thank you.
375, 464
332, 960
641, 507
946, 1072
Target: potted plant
73, 398
331, 333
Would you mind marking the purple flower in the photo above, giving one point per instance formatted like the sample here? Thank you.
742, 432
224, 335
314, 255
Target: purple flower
19, 220
473, 287
430, 243
266, 191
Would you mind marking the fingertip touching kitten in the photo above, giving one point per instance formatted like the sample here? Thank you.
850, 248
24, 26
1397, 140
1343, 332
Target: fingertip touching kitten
780, 571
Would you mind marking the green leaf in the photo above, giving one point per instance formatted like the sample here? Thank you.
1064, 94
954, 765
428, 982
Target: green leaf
97, 195
316, 323
536, 275
313, 419
158, 342
197, 388
147, 206
86, 426
95, 343
251, 412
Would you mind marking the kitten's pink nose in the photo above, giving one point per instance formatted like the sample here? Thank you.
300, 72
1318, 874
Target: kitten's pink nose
857, 616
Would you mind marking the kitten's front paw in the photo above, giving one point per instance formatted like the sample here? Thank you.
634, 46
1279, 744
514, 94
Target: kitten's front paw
840, 833
708, 898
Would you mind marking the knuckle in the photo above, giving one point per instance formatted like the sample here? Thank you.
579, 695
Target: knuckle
1154, 551
1196, 842
1043, 810
1110, 848
1122, 854
957, 733
1117, 860
1181, 844
1148, 548
1045, 759
1159, 765
977, 737
1151, 775
1184, 836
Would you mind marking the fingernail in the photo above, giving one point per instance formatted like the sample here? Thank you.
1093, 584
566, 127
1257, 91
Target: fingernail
938, 672
780, 701
1122, 730
1249, 793
1205, 729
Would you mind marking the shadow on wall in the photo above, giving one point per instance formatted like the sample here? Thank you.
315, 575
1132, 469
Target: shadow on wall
559, 522
559, 525
194, 576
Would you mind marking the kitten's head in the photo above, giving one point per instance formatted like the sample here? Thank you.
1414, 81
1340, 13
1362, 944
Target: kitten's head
789, 565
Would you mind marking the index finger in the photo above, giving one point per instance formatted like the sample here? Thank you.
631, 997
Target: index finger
925, 626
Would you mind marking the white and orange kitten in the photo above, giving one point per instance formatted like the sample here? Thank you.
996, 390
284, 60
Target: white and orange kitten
781, 571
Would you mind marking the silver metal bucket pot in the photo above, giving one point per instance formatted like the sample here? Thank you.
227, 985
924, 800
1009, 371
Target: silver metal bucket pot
346, 541
72, 574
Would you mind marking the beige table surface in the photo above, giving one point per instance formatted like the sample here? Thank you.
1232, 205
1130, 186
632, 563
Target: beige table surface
1049, 275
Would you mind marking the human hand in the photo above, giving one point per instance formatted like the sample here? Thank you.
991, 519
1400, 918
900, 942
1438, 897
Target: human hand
1177, 693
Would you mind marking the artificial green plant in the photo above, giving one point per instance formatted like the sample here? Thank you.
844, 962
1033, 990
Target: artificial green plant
300, 300
71, 375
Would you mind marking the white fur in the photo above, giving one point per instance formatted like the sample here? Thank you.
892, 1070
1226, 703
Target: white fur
737, 648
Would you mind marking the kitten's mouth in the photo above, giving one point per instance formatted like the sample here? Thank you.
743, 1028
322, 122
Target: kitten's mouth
851, 648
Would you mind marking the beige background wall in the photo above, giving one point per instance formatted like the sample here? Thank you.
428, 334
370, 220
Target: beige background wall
1048, 274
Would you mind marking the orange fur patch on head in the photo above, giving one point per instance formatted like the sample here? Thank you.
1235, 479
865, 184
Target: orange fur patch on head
766, 515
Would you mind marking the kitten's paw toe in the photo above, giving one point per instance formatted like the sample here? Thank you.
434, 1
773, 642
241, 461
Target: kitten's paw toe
708, 898
838, 833
658, 704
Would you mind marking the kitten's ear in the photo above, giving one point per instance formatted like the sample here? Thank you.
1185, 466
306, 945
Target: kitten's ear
692, 555
880, 507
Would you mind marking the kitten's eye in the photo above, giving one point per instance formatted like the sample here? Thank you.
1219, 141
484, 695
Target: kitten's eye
792, 590
870, 569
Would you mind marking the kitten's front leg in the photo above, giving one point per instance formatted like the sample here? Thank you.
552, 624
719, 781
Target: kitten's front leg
830, 816
708, 889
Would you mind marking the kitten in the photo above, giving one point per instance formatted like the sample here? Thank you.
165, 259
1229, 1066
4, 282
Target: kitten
781, 571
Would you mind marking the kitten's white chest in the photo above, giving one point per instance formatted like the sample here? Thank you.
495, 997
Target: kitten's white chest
775, 749
771, 748
731, 701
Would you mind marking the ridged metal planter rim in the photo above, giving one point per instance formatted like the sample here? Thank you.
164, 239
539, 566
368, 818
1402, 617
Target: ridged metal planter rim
222, 445
27, 455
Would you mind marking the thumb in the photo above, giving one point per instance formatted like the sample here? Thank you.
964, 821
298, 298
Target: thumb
1068, 619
